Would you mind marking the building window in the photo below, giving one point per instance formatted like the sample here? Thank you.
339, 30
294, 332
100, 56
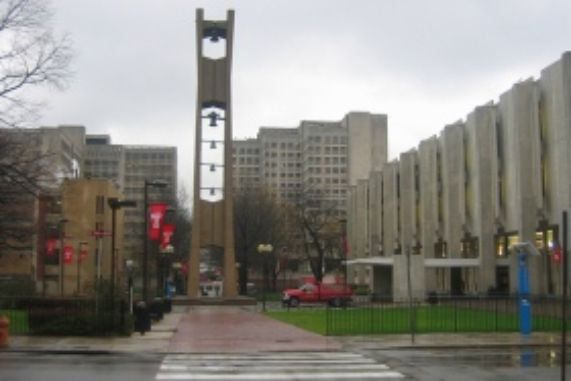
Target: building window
99, 205
440, 249
503, 243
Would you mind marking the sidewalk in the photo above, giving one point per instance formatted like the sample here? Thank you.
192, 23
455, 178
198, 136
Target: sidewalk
242, 329
451, 340
156, 340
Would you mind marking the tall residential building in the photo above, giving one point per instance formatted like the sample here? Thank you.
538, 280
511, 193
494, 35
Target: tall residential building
319, 158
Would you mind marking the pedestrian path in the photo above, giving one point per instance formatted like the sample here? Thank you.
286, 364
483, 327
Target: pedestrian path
274, 366
236, 330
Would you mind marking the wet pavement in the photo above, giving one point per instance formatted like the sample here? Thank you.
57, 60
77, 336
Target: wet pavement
212, 328
242, 329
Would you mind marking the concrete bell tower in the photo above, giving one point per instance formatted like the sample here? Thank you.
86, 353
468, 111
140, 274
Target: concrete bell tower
213, 213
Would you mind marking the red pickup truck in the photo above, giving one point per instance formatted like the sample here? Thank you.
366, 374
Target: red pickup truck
336, 295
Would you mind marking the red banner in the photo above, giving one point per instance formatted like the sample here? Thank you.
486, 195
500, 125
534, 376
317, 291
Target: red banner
51, 245
557, 254
166, 235
156, 217
68, 255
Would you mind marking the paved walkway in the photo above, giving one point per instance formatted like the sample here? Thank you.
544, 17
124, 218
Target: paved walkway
235, 329
242, 329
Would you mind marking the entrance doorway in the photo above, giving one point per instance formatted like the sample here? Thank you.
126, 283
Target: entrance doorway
502, 279
456, 282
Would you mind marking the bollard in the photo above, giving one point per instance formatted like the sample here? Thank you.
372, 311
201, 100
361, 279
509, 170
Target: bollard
4, 327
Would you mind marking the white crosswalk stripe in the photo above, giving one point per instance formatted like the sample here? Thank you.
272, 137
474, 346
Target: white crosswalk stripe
274, 366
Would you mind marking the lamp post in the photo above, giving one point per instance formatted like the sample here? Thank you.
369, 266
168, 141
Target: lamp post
129, 265
156, 184
115, 204
61, 238
80, 246
345, 247
265, 250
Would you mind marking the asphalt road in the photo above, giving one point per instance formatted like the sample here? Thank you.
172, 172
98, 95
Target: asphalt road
77, 367
497, 364
459, 365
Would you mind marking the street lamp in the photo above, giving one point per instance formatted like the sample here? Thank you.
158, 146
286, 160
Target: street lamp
265, 250
156, 184
343, 223
61, 238
129, 265
115, 204
80, 247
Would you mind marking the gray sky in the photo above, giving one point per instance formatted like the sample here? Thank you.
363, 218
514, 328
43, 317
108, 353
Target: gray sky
424, 63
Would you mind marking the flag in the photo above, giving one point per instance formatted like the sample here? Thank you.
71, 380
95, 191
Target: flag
166, 235
51, 244
68, 255
156, 217
557, 253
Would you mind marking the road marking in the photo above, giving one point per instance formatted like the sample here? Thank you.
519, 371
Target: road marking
226, 368
273, 366
279, 376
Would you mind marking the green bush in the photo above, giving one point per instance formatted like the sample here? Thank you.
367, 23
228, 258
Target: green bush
17, 287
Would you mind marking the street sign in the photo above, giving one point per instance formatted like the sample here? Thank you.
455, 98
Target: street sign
100, 233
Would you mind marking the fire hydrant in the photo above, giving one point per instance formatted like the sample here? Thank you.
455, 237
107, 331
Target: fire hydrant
4, 327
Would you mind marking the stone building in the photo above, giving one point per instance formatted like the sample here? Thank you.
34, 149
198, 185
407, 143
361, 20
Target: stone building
462, 199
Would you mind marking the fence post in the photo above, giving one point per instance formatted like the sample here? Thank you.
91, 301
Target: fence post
455, 314
496, 311
122, 310
327, 317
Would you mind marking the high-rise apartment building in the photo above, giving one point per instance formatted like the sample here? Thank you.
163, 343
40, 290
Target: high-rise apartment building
318, 158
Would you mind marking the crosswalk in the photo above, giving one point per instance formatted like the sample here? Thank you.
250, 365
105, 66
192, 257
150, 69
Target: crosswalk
274, 366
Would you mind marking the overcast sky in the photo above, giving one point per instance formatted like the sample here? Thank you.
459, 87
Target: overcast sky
423, 63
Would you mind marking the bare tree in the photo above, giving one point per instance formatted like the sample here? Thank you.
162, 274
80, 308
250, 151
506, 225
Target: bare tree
319, 223
23, 172
258, 218
30, 56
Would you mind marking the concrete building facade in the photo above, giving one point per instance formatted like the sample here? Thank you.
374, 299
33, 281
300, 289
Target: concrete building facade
452, 209
319, 157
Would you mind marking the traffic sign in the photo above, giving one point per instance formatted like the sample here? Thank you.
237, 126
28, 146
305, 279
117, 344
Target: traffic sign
100, 233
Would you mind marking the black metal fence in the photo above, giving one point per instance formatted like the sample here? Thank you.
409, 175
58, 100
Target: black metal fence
66, 316
443, 314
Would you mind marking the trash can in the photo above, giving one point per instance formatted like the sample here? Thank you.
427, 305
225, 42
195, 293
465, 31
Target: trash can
142, 318
167, 305
156, 309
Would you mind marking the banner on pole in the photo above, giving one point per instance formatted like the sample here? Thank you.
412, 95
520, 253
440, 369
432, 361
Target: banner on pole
166, 235
51, 245
156, 216
67, 255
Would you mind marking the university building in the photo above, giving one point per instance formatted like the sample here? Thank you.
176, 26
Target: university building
449, 210
80, 172
319, 157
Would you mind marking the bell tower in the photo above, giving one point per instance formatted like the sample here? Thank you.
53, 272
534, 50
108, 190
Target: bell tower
213, 213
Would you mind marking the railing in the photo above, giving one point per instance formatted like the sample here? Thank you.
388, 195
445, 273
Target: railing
63, 316
444, 314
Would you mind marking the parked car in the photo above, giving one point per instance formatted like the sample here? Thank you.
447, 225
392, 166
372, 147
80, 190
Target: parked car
336, 294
